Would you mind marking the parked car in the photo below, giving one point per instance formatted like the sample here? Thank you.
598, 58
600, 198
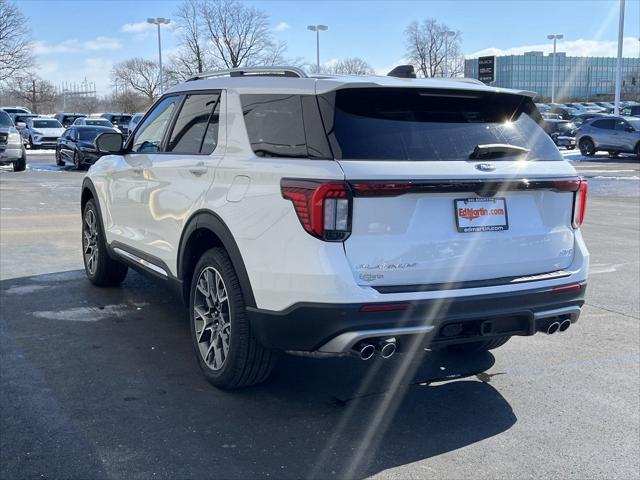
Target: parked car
77, 145
120, 120
20, 121
96, 122
594, 107
11, 110
134, 121
566, 113
608, 106
294, 213
67, 118
561, 132
612, 134
11, 146
631, 111
43, 132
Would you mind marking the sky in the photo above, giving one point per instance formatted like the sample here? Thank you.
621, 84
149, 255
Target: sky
78, 39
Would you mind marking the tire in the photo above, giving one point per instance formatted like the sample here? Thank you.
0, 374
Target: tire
59, 161
637, 151
20, 165
480, 346
76, 160
228, 354
587, 147
101, 269
31, 143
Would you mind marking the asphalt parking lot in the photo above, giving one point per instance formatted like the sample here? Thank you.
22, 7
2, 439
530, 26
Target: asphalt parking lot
102, 383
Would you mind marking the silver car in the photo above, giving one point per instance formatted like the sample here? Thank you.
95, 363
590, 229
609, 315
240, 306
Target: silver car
612, 134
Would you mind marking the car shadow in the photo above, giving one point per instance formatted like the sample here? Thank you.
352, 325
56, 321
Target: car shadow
103, 382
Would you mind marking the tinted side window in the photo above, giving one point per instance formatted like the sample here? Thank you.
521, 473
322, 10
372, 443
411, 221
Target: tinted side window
275, 125
621, 125
148, 138
196, 129
605, 123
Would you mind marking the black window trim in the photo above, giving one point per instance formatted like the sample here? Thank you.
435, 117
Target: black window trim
174, 117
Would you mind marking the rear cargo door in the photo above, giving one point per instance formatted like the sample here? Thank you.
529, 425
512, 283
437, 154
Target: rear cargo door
427, 210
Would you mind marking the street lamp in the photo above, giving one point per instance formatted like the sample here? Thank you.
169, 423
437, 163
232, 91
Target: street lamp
318, 29
553, 71
616, 104
447, 35
159, 21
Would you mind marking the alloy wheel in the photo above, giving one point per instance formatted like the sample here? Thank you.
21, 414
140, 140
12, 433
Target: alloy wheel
90, 241
211, 317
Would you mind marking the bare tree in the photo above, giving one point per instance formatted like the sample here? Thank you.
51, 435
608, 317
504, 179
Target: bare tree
349, 66
38, 94
428, 43
15, 39
139, 75
239, 35
192, 57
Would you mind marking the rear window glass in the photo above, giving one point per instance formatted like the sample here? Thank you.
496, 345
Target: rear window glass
97, 121
121, 119
426, 124
88, 134
46, 124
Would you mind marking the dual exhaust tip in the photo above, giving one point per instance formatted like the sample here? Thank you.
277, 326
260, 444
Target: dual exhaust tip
558, 326
386, 348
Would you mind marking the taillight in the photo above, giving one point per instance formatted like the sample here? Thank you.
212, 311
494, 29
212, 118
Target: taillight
580, 203
323, 207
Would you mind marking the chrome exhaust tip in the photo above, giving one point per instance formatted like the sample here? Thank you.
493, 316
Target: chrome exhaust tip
564, 326
553, 328
366, 351
387, 349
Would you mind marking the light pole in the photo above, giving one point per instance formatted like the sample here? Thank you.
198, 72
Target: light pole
318, 29
159, 21
448, 34
553, 71
616, 105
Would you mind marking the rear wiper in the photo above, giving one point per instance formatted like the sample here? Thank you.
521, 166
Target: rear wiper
492, 151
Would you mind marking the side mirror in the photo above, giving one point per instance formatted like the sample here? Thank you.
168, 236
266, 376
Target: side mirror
21, 125
630, 129
109, 142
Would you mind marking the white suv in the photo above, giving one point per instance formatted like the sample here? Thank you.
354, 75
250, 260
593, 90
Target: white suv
337, 215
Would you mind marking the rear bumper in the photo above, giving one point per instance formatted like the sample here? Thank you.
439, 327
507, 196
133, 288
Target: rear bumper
10, 154
334, 329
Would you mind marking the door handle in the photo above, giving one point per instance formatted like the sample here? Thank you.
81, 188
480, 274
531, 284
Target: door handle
198, 170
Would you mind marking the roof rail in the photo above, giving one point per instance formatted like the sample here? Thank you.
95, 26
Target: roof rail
252, 71
475, 81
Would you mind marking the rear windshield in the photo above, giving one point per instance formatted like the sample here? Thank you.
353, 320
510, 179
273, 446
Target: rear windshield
121, 119
46, 124
426, 124
88, 134
103, 122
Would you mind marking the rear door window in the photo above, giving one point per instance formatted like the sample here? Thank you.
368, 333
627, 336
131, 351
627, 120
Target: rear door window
607, 124
414, 124
196, 128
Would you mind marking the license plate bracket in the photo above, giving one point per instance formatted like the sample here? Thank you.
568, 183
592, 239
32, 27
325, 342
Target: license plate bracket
481, 214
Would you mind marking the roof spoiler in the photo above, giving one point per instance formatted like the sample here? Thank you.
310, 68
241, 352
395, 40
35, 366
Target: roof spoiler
402, 71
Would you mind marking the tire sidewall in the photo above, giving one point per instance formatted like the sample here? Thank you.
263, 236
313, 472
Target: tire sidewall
584, 147
238, 343
102, 248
